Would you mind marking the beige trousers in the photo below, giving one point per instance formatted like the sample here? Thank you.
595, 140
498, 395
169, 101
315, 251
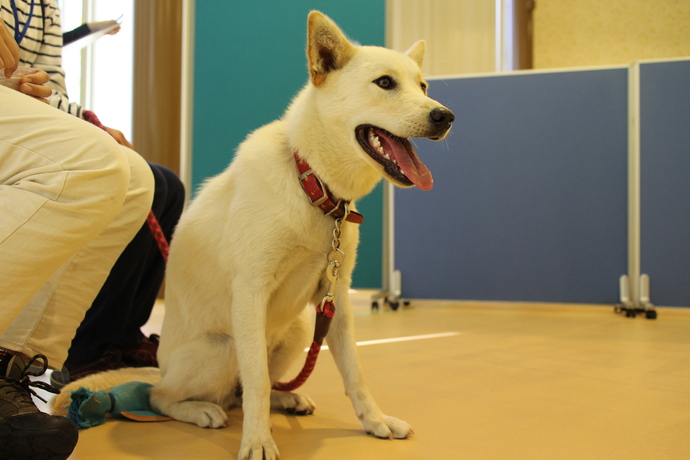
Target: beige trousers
71, 199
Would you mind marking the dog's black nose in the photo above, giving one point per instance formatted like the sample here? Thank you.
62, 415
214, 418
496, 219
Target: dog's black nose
442, 116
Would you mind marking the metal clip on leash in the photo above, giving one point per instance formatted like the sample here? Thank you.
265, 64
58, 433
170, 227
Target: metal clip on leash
324, 311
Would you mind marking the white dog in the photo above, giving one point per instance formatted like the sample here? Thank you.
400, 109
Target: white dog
252, 250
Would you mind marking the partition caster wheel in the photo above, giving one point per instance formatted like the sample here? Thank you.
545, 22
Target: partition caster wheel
375, 305
650, 314
629, 313
394, 305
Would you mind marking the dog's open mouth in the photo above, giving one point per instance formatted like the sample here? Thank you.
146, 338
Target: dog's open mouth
397, 156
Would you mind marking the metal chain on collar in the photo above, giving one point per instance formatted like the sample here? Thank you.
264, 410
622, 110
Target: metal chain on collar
335, 258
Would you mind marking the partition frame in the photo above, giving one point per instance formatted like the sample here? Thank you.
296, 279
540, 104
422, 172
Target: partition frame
634, 285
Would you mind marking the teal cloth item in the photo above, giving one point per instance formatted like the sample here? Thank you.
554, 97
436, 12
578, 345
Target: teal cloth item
89, 408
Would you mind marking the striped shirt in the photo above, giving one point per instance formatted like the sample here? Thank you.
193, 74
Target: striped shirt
41, 47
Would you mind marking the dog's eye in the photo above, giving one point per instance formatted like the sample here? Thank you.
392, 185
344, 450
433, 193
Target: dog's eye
424, 87
385, 82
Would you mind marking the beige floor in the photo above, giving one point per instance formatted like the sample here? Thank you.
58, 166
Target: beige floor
514, 381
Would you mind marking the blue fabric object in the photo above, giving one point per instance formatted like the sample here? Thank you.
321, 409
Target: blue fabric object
131, 400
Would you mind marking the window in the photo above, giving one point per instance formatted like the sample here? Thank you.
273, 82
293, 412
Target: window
99, 76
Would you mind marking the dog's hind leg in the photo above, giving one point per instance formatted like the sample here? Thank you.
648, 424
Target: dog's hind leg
296, 339
199, 382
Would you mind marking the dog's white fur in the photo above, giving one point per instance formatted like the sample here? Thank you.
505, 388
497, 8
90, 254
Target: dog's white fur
250, 252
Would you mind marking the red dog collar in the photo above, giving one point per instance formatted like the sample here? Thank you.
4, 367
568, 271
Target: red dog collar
320, 196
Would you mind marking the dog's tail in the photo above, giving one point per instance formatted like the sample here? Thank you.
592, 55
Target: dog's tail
104, 381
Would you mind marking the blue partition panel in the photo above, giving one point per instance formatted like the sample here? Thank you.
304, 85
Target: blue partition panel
530, 194
665, 182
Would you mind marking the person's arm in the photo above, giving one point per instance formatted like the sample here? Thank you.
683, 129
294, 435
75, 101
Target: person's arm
88, 29
49, 59
33, 80
75, 34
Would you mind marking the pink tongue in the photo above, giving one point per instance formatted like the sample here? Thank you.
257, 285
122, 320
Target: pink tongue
410, 164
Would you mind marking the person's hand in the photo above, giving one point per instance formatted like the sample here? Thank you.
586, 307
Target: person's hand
33, 84
119, 137
9, 51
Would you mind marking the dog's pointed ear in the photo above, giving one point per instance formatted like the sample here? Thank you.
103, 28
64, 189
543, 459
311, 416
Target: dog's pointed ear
327, 48
416, 52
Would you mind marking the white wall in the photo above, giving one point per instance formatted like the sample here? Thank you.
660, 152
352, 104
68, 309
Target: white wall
460, 34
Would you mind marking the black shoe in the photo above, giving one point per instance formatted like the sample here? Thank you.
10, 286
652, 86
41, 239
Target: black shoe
25, 432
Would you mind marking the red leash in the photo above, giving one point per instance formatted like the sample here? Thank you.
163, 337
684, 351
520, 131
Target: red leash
323, 322
320, 197
158, 235
324, 314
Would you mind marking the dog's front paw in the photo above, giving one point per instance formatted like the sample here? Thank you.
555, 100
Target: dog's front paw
387, 428
207, 414
258, 449
292, 403
202, 413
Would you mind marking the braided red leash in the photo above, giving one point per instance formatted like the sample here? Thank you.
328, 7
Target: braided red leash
323, 322
158, 235
93, 119
318, 194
